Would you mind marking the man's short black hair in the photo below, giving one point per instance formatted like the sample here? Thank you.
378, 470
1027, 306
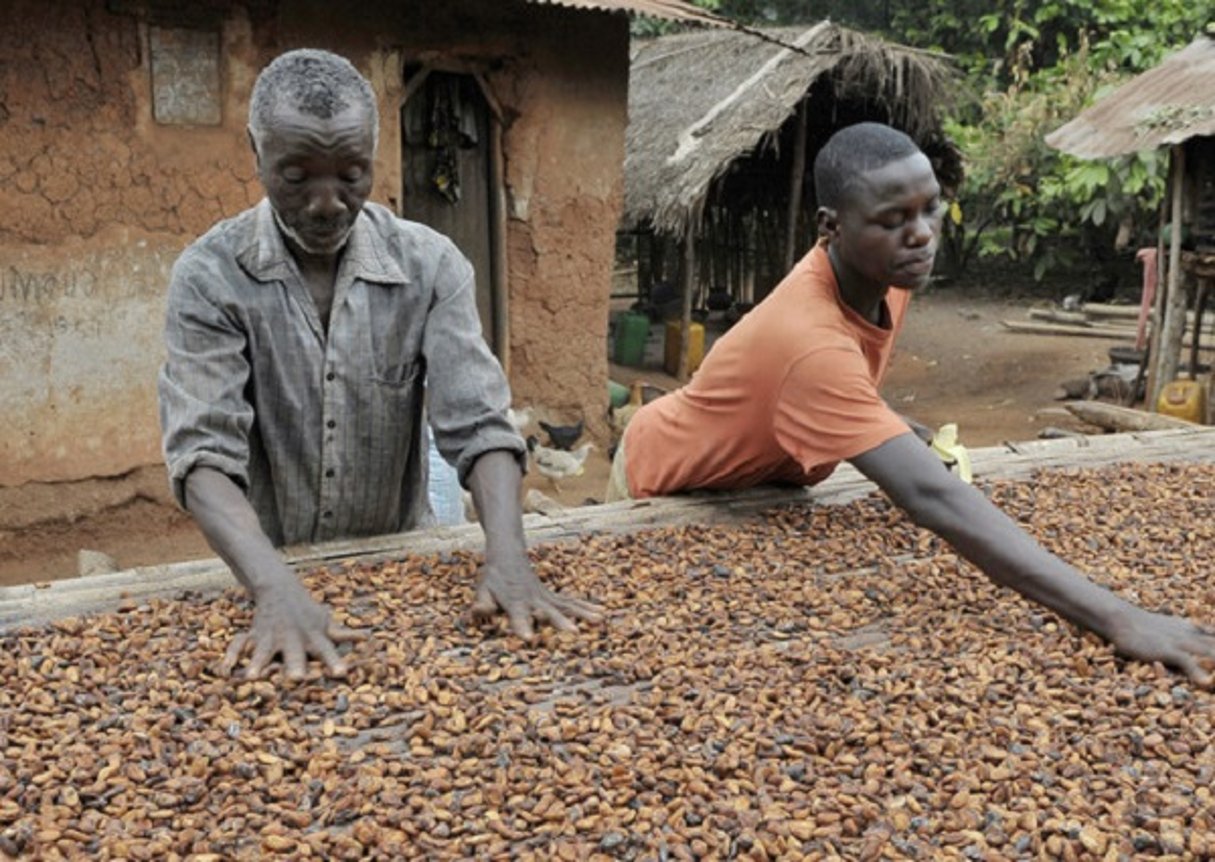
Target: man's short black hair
851, 152
314, 82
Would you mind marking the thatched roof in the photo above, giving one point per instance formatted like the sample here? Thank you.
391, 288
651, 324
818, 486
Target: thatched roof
700, 100
1166, 105
672, 10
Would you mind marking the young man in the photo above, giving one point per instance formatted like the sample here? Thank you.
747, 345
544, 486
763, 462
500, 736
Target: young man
792, 390
299, 334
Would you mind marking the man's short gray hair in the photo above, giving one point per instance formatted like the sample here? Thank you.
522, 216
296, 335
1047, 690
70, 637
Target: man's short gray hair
314, 82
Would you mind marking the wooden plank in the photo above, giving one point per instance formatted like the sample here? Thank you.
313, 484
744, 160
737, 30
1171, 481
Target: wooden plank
33, 604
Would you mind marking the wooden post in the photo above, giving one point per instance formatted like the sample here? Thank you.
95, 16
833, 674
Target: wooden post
500, 273
1157, 315
1171, 330
796, 177
641, 254
689, 279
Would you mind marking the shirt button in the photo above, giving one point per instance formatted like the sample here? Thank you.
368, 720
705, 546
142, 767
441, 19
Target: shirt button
329, 472
331, 424
326, 514
330, 376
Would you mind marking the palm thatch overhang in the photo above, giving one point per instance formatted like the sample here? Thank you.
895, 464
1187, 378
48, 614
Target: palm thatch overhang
703, 104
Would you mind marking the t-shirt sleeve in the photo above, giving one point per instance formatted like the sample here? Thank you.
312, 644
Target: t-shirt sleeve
829, 410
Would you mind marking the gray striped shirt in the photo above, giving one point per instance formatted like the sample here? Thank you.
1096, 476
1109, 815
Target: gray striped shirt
324, 432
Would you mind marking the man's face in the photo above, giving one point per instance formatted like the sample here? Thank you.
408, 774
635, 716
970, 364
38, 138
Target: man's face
317, 174
886, 232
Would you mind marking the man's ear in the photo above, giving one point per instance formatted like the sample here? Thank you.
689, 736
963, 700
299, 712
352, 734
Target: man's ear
828, 222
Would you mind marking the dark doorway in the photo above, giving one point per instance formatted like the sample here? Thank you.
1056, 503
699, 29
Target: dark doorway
447, 174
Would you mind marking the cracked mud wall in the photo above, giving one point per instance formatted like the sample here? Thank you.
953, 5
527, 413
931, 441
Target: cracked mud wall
565, 190
99, 198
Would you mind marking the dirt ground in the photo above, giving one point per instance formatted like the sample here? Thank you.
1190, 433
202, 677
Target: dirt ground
954, 363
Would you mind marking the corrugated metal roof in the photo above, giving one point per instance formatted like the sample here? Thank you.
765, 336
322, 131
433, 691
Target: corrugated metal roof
672, 10
1166, 105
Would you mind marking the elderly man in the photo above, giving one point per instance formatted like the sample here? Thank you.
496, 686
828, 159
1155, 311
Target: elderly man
299, 334
792, 390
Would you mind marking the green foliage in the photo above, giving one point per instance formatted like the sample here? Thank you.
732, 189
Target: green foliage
1034, 67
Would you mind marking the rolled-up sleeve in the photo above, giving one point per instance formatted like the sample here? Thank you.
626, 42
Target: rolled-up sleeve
467, 389
205, 417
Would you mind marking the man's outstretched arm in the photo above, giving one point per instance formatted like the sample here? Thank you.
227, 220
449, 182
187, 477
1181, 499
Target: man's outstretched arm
915, 480
287, 621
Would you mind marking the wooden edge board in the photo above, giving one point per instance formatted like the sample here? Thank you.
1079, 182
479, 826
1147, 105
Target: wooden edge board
32, 604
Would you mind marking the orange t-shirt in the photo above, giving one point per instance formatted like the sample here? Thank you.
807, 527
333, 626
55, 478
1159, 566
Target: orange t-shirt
784, 396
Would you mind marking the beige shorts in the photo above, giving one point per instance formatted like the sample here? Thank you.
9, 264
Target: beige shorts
618, 478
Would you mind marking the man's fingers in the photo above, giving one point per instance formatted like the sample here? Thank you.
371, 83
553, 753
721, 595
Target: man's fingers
324, 649
263, 651
583, 610
340, 634
235, 650
295, 663
521, 621
1193, 668
484, 604
549, 611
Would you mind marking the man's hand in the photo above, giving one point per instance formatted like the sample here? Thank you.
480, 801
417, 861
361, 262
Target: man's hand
514, 589
288, 622
1172, 641
508, 583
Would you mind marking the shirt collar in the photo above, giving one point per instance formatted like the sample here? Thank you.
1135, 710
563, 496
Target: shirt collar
267, 258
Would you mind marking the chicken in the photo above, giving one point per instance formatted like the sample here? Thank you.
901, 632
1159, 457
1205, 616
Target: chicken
557, 464
519, 419
622, 415
562, 436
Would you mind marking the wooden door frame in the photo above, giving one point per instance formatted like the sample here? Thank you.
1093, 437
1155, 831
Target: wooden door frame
498, 284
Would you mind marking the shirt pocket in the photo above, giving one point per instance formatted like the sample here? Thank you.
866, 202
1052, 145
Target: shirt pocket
399, 377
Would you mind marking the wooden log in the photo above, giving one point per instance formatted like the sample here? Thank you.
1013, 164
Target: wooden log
1043, 328
1106, 309
1115, 418
1101, 311
1074, 318
1094, 331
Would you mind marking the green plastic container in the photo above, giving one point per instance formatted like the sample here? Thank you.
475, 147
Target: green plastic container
618, 394
632, 330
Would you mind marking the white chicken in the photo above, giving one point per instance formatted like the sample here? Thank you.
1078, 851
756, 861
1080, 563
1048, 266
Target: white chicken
519, 419
557, 464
